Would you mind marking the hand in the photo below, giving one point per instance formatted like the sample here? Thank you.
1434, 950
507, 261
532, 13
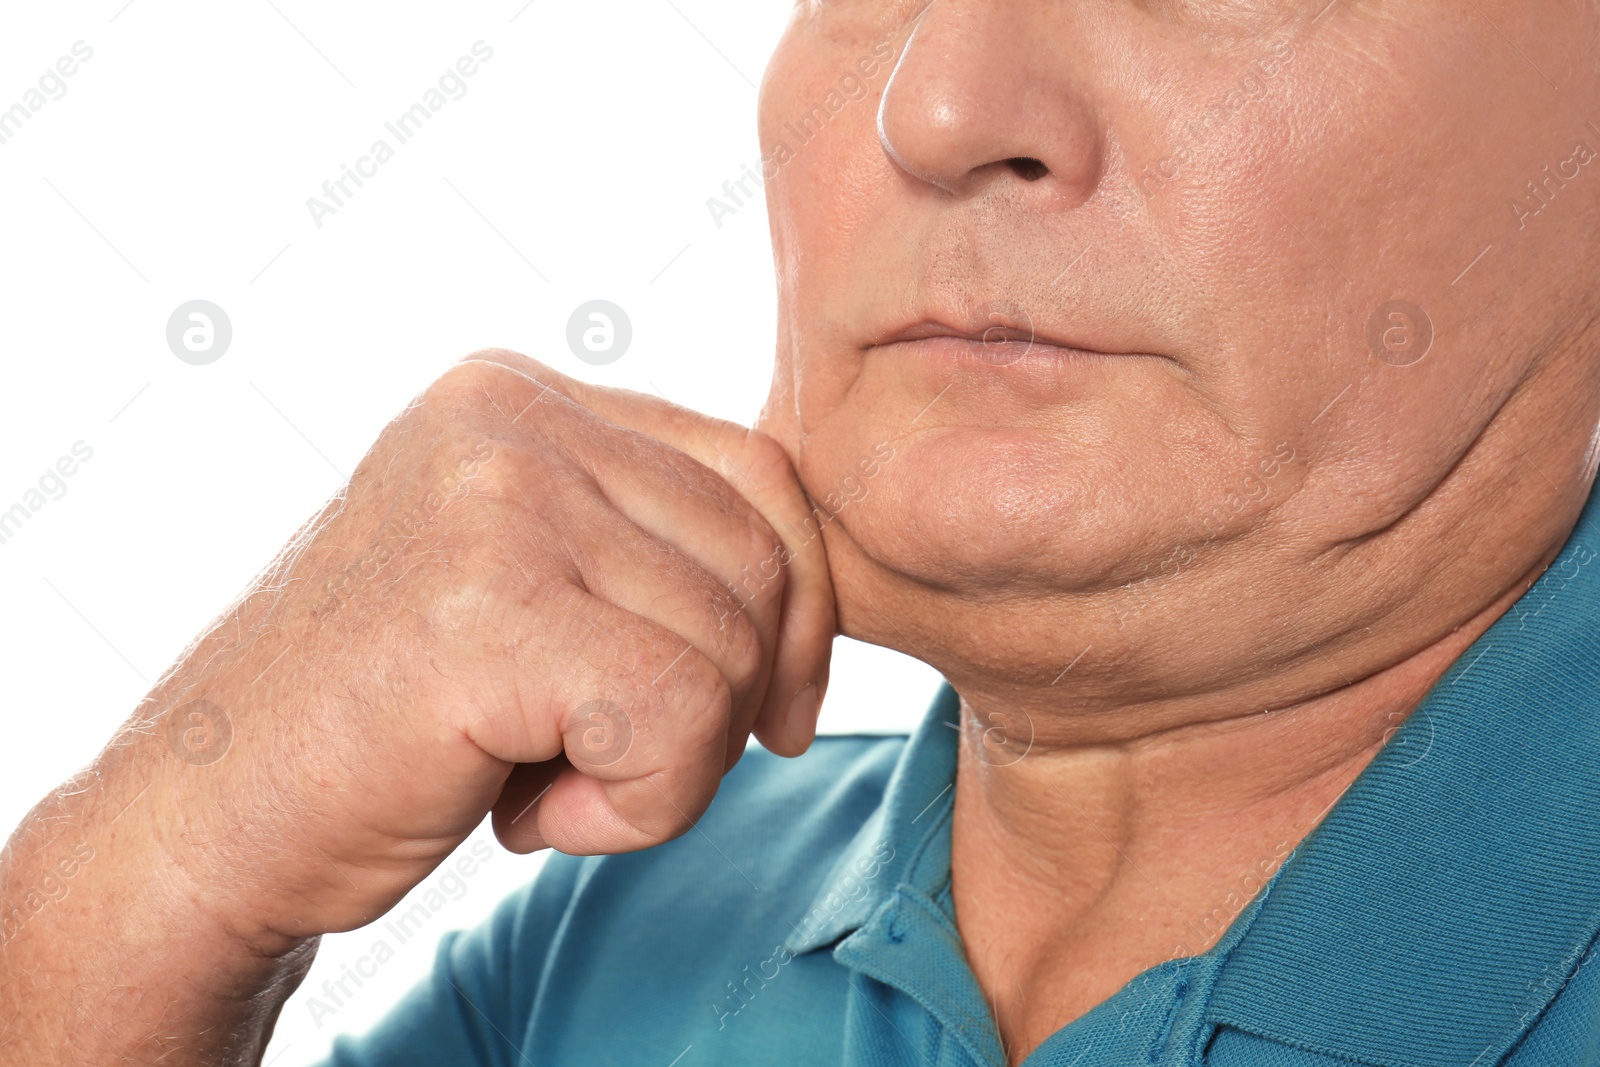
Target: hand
571, 605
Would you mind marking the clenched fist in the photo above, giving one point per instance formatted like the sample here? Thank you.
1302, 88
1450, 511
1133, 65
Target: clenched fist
568, 604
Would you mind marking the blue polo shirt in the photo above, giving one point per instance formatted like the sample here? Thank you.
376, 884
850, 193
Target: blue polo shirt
1443, 914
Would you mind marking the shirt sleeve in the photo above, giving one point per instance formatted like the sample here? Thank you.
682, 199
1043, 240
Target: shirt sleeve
473, 1009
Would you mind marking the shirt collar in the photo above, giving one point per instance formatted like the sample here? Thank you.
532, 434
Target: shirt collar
892, 846
1449, 894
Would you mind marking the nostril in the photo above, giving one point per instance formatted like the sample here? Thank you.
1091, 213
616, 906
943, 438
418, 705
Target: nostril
1027, 168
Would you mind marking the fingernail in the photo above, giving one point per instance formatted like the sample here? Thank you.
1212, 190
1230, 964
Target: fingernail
803, 713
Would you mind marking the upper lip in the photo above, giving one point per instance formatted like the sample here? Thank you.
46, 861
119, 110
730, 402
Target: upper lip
993, 328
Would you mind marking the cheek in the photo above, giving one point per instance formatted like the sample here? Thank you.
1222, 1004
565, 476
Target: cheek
825, 168
1306, 195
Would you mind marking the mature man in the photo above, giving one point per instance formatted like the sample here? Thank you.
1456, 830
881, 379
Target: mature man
1200, 385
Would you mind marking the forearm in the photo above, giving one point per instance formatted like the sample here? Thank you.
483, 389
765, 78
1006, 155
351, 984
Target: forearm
108, 952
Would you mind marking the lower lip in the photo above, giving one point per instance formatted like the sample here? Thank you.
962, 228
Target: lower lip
1043, 373
1003, 353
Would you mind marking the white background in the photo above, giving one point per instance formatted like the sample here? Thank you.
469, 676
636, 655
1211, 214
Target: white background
177, 166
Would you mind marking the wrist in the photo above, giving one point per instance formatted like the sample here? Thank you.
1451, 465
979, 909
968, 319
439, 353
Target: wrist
106, 927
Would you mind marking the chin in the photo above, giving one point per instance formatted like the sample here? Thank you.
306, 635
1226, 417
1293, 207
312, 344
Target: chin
1004, 512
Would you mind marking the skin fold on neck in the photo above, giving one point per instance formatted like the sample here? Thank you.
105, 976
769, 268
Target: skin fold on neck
1085, 862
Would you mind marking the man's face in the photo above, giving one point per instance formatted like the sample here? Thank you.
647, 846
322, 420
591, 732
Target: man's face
1154, 290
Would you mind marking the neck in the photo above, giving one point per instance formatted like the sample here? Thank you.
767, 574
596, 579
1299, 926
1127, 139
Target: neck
1057, 799
1078, 862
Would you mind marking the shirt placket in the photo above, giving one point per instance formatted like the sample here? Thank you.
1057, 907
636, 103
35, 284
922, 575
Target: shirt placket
913, 999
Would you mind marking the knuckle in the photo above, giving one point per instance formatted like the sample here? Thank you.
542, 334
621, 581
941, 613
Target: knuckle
465, 475
665, 821
763, 462
761, 540
495, 355
739, 644
494, 384
467, 389
764, 455
762, 577
695, 691
486, 469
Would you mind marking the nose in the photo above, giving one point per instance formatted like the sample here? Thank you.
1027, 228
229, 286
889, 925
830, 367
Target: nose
984, 93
